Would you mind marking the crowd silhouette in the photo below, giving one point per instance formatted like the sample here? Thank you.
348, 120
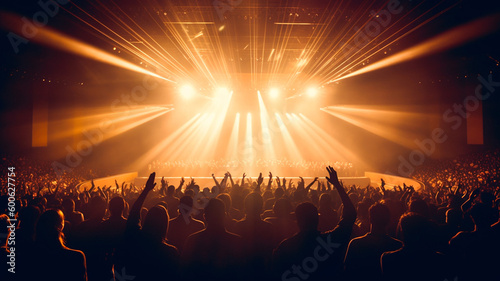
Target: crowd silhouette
262, 229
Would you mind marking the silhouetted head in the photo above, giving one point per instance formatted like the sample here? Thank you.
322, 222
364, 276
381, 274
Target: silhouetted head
170, 190
52, 203
253, 204
40, 202
415, 229
487, 197
279, 192
49, 229
185, 205
97, 206
325, 201
354, 198
481, 215
379, 215
307, 216
68, 205
454, 201
268, 194
28, 217
155, 224
116, 206
226, 198
419, 206
282, 207
215, 212
189, 192
453, 217
186, 202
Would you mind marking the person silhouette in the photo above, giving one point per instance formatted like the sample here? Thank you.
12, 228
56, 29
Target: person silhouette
328, 216
476, 252
362, 260
111, 231
143, 252
50, 259
417, 259
283, 224
310, 254
213, 253
183, 225
257, 236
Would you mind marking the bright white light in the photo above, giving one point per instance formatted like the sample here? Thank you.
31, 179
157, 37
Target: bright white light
274, 93
312, 91
187, 91
221, 93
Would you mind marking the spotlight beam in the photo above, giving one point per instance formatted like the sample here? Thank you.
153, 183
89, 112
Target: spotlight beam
447, 40
65, 43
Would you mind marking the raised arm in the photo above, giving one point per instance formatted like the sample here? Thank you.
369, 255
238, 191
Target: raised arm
178, 190
270, 182
349, 213
135, 212
260, 179
230, 179
309, 185
216, 181
467, 204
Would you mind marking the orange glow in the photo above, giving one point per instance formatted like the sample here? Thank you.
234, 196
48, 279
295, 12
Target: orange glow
442, 42
57, 40
396, 126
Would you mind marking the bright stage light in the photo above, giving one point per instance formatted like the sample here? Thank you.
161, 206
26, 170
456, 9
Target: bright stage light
187, 91
274, 93
221, 93
312, 91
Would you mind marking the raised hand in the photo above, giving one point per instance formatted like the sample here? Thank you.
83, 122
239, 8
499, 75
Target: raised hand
269, 183
181, 183
333, 178
301, 183
164, 183
191, 183
230, 178
260, 179
150, 184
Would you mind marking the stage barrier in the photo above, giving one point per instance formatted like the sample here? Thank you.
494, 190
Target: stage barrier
391, 181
